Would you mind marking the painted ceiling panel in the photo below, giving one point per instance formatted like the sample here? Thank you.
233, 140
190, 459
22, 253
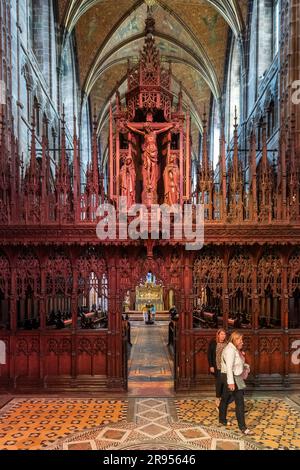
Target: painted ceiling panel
62, 5
135, 24
197, 33
196, 86
131, 26
93, 28
244, 6
207, 25
105, 86
169, 52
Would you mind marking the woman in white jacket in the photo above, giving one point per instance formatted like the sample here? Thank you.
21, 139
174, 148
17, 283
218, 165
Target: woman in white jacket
233, 372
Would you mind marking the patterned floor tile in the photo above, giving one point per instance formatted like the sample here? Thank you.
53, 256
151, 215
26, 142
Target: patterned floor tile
36, 423
276, 422
167, 435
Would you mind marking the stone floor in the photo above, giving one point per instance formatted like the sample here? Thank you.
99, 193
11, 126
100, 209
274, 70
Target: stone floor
154, 428
35, 423
150, 416
150, 365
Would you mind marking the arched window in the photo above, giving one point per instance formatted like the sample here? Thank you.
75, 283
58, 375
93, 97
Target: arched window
215, 135
45, 132
260, 133
271, 118
69, 84
268, 34
276, 26
36, 115
41, 38
233, 93
264, 43
30, 21
85, 138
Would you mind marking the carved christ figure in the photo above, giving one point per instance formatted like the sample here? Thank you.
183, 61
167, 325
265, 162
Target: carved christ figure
127, 180
150, 152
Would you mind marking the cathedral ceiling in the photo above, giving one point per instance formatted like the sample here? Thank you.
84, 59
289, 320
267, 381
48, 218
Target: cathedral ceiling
191, 34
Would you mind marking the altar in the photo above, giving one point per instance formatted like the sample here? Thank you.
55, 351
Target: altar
147, 294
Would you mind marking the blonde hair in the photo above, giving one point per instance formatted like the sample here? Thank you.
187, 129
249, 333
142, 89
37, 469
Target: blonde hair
220, 330
235, 335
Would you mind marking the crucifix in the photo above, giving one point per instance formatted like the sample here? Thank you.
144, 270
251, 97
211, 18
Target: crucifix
150, 131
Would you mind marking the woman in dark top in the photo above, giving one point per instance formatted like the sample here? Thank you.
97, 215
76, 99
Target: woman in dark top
214, 354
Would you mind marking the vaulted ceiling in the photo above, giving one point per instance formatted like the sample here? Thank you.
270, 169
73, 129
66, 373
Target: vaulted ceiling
192, 34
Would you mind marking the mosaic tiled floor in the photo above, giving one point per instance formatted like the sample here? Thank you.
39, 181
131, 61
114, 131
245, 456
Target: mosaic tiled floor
159, 422
154, 429
36, 423
276, 422
145, 423
295, 398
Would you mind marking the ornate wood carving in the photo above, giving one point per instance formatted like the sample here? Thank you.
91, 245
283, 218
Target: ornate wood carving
92, 346
27, 346
52, 210
201, 345
247, 343
294, 273
28, 274
5, 276
270, 345
91, 261
58, 274
208, 272
240, 271
269, 274
59, 346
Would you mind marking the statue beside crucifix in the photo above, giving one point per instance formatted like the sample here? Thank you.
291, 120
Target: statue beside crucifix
172, 181
127, 180
150, 131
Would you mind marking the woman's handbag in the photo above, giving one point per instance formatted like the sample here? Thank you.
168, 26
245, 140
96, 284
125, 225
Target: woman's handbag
239, 382
246, 371
240, 379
